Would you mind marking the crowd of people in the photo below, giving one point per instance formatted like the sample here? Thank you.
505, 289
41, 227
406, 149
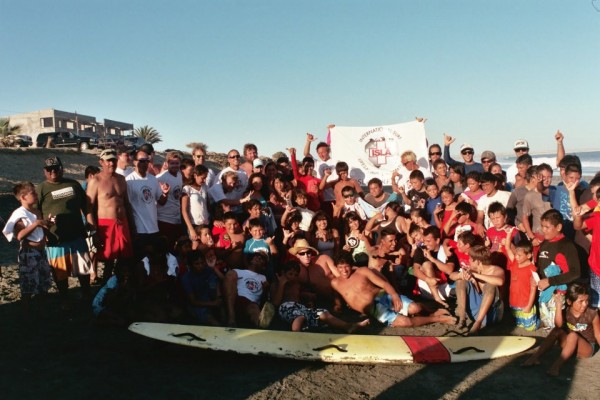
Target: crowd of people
458, 242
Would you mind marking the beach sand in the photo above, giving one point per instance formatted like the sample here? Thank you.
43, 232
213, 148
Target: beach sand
65, 355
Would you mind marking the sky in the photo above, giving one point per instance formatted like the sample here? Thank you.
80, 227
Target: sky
267, 71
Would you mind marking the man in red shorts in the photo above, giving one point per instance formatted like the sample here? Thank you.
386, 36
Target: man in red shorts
109, 211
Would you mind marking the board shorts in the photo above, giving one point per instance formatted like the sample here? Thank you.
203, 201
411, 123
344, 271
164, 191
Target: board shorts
69, 259
528, 321
290, 310
35, 276
474, 299
114, 239
383, 308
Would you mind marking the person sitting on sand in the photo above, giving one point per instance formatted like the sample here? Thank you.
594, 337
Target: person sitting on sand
288, 295
367, 291
477, 290
244, 290
577, 329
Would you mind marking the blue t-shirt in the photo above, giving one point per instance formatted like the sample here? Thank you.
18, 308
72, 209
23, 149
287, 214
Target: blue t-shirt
256, 245
430, 206
203, 285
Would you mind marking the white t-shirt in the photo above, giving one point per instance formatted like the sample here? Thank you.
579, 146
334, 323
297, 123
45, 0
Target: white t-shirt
125, 172
501, 196
250, 284
143, 193
404, 178
198, 210
243, 179
320, 167
170, 212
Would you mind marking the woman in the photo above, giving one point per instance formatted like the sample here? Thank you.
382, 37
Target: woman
390, 218
257, 189
280, 196
322, 236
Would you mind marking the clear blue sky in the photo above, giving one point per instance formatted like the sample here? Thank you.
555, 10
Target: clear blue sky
229, 72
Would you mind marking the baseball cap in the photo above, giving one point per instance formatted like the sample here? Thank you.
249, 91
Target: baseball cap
147, 148
465, 147
257, 163
488, 155
108, 154
521, 144
52, 162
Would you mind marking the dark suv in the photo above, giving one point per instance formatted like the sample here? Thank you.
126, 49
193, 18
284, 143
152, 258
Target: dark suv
63, 139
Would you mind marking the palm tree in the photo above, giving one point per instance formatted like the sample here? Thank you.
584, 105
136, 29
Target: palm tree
149, 134
6, 129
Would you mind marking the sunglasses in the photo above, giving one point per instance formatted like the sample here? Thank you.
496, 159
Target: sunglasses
347, 196
305, 253
435, 153
52, 169
202, 156
522, 149
467, 152
487, 161
236, 156
143, 160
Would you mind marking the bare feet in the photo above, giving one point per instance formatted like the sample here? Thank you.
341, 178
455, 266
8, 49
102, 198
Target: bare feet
461, 323
441, 311
474, 331
359, 325
448, 319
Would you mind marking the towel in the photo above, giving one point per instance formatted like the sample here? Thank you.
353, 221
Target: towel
550, 271
28, 218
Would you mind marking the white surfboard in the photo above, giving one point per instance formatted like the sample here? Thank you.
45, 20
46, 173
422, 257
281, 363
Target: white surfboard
337, 348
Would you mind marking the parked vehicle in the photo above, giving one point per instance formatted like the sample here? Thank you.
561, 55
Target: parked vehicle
133, 142
19, 140
92, 136
107, 143
62, 139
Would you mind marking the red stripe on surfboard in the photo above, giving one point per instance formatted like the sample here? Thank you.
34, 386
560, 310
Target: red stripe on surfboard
427, 350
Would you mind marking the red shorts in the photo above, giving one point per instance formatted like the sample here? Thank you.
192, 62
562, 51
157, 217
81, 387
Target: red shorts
114, 239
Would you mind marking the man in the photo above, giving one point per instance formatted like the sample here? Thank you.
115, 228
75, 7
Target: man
401, 177
250, 154
376, 196
233, 159
487, 158
123, 161
144, 192
109, 212
200, 157
244, 290
368, 292
520, 148
478, 290
432, 267
315, 272
149, 149
467, 153
324, 165
169, 213
64, 200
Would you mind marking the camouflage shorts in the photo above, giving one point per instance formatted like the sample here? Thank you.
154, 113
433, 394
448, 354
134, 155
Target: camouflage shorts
34, 271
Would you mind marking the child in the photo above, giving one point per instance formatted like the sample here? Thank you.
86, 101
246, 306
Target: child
287, 294
257, 241
523, 286
577, 329
27, 225
434, 199
558, 264
254, 208
461, 220
444, 210
499, 229
417, 195
350, 204
201, 287
194, 201
344, 180
300, 203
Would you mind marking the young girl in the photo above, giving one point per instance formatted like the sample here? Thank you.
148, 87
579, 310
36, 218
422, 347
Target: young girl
322, 236
473, 192
194, 201
457, 178
523, 286
356, 241
577, 329
443, 213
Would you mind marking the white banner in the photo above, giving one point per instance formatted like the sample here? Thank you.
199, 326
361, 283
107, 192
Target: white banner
374, 151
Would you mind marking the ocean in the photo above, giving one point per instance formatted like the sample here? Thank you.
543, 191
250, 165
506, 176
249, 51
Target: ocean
590, 161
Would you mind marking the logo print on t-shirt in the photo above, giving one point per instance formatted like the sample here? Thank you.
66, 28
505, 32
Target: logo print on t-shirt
147, 194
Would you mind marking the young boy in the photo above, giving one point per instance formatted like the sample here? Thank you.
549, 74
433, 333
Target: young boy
300, 203
27, 225
257, 241
344, 180
433, 200
460, 220
499, 230
351, 204
558, 264
478, 290
523, 286
201, 288
417, 196
287, 294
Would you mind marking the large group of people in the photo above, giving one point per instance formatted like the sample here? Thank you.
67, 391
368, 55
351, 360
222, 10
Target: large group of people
458, 242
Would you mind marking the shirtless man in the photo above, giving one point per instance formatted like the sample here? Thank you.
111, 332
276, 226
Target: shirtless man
384, 258
109, 211
316, 271
368, 292
477, 290
250, 154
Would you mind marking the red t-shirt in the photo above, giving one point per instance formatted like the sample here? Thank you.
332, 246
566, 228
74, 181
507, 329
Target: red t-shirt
520, 283
498, 238
593, 224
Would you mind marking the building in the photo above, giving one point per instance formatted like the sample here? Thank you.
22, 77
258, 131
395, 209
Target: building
51, 120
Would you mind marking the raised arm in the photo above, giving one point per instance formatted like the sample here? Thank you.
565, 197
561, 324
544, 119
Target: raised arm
560, 147
448, 140
309, 139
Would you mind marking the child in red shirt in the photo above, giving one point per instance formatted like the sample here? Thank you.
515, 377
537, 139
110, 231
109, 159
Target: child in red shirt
523, 284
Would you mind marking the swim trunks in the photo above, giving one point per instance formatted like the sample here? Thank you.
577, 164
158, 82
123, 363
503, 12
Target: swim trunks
69, 259
290, 310
383, 308
114, 239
